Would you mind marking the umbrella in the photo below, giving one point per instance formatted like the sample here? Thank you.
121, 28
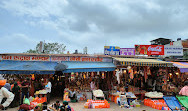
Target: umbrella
60, 67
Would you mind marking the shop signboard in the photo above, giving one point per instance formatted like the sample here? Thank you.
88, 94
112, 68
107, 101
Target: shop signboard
149, 49
111, 50
171, 50
24, 58
55, 58
127, 51
81, 59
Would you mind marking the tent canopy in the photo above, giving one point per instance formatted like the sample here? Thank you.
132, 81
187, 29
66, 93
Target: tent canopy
143, 62
39, 67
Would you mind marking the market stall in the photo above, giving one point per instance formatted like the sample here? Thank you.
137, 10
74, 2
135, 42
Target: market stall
78, 70
141, 75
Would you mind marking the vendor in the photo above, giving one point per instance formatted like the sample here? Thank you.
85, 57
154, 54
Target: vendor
184, 90
92, 85
122, 91
72, 94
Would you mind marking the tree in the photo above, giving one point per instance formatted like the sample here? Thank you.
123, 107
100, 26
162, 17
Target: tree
49, 48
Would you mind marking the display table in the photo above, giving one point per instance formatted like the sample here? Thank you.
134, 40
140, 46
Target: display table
113, 96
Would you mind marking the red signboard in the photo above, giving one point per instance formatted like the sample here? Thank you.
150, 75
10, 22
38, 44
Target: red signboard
24, 58
149, 49
54, 58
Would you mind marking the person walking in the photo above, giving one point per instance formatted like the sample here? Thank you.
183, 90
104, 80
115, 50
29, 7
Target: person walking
4, 93
16, 92
25, 89
48, 89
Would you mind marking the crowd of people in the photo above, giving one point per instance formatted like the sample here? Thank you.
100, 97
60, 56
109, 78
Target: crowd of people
12, 93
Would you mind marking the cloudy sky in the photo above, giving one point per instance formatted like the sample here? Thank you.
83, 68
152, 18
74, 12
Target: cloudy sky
91, 23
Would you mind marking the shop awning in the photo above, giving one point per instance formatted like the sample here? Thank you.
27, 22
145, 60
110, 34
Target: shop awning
27, 67
88, 66
36, 67
143, 62
183, 66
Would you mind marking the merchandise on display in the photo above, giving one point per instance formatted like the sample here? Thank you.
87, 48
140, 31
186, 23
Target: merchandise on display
93, 104
154, 94
156, 104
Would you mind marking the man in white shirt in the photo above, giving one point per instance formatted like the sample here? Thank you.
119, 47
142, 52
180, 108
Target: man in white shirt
48, 89
4, 93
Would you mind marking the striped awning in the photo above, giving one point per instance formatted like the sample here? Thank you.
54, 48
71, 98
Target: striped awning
143, 62
183, 66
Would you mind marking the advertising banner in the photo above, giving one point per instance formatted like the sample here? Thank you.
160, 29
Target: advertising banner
171, 50
54, 58
127, 51
111, 50
149, 49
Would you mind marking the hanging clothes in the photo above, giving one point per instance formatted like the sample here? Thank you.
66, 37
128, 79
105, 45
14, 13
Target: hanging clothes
131, 74
117, 75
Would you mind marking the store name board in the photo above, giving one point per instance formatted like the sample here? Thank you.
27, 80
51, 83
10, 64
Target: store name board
81, 59
54, 58
149, 49
127, 51
25, 58
111, 50
173, 50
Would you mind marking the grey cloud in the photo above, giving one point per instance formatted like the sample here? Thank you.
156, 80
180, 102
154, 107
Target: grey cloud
114, 22
16, 43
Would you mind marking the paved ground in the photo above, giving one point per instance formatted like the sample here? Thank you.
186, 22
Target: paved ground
113, 107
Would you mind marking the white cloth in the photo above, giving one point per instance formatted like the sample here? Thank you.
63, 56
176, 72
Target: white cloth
4, 93
117, 75
72, 93
92, 85
48, 87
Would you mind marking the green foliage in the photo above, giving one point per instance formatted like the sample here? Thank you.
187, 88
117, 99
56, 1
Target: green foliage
49, 48
31, 51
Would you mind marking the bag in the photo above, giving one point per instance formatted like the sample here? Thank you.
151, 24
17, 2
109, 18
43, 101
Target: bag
26, 101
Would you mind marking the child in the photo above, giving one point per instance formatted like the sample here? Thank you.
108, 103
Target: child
65, 107
56, 105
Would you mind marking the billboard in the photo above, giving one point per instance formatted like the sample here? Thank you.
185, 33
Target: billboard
111, 50
171, 50
127, 51
149, 49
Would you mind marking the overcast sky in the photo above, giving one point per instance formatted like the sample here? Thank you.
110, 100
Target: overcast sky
91, 23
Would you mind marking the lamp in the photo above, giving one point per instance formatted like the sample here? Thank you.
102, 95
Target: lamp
125, 71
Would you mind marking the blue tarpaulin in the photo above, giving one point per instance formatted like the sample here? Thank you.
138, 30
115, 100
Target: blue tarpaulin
40, 67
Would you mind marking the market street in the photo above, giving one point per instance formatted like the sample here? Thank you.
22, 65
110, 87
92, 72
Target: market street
113, 107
